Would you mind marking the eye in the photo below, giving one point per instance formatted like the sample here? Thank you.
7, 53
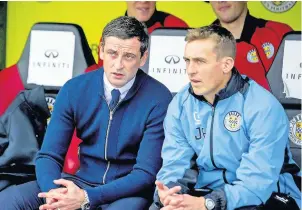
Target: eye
129, 56
200, 61
187, 61
112, 53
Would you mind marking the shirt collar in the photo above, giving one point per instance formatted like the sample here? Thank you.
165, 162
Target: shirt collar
108, 87
250, 25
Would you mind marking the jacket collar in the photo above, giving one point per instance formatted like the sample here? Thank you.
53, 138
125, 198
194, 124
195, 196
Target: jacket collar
236, 84
140, 78
250, 25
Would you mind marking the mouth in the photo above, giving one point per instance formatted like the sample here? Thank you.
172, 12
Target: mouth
223, 8
143, 9
117, 75
194, 81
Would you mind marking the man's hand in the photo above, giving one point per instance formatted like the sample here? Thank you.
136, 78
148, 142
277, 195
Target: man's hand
188, 203
165, 194
72, 199
52, 200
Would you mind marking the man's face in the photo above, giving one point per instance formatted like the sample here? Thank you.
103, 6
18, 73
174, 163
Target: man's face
228, 11
141, 10
122, 58
204, 71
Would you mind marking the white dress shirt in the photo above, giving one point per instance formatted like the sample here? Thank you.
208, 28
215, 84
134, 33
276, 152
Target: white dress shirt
108, 87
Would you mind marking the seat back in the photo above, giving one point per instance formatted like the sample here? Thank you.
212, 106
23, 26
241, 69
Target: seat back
53, 54
166, 62
45, 54
285, 79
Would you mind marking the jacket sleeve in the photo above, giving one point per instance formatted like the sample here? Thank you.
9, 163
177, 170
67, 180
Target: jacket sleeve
176, 152
50, 159
148, 162
275, 31
260, 167
279, 28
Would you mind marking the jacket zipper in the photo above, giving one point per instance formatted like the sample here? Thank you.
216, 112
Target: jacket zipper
106, 141
212, 147
211, 137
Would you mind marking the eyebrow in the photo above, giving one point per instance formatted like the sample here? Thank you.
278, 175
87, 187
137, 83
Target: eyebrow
124, 53
111, 50
129, 53
195, 59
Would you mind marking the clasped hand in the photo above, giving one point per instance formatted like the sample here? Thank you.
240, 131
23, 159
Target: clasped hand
68, 197
173, 201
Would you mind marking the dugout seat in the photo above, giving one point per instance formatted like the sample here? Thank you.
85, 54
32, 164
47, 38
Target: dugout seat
285, 79
166, 63
53, 53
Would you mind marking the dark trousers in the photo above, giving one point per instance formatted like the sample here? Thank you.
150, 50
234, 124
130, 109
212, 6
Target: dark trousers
25, 197
261, 207
154, 207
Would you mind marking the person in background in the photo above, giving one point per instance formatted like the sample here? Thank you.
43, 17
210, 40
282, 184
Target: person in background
257, 40
234, 130
146, 12
118, 112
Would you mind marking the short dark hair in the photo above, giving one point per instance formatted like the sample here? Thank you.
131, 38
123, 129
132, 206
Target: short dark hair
125, 27
225, 41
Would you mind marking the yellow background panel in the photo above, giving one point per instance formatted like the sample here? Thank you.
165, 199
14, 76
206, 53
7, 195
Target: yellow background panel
93, 16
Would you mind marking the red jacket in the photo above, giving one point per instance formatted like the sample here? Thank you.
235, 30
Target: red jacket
257, 47
158, 20
164, 20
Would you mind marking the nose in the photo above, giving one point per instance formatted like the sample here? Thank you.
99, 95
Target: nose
191, 69
118, 64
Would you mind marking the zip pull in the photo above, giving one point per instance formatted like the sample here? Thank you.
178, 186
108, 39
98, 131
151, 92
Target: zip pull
111, 114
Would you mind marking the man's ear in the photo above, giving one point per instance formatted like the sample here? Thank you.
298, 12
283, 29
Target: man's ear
101, 51
144, 58
227, 64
